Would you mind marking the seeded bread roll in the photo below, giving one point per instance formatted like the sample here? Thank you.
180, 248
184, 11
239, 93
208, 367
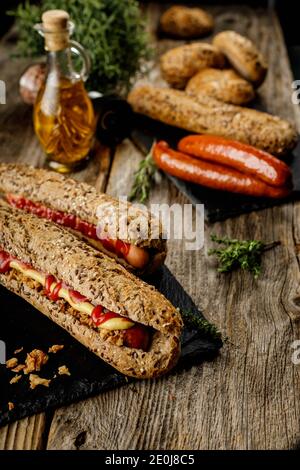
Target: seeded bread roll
243, 56
63, 194
53, 250
205, 115
184, 22
224, 85
180, 64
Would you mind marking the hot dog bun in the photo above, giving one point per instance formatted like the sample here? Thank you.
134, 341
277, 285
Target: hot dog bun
243, 56
225, 85
184, 22
205, 115
51, 249
80, 199
178, 65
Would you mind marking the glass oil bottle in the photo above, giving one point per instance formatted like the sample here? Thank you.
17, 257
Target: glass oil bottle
64, 119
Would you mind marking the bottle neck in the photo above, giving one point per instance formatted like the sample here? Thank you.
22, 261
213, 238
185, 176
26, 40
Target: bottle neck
60, 63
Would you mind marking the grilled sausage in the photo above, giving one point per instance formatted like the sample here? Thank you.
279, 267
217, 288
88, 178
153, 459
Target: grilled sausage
241, 157
211, 175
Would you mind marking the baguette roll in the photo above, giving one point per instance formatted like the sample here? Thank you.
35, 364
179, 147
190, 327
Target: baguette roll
224, 85
184, 22
178, 65
243, 55
204, 115
47, 248
140, 247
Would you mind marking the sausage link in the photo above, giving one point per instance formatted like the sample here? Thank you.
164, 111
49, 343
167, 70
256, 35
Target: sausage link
237, 155
213, 176
137, 337
137, 257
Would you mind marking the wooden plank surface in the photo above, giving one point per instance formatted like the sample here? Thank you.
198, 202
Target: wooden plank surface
248, 398
18, 143
26, 434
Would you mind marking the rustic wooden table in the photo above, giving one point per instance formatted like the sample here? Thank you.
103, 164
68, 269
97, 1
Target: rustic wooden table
249, 397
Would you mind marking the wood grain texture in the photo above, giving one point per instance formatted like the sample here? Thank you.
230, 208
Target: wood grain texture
248, 398
26, 434
18, 143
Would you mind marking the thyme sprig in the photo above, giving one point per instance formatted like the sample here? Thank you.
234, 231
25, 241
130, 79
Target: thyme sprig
144, 179
112, 31
244, 254
201, 324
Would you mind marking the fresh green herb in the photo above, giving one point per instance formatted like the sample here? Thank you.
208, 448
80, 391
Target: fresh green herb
144, 178
112, 31
244, 254
201, 324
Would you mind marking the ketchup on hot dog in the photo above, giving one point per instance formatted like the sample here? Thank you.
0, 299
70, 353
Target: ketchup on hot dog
134, 255
55, 290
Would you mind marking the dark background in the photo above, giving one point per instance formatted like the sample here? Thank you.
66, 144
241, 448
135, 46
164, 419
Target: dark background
287, 11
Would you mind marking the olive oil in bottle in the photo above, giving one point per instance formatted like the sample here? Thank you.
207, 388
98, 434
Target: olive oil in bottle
64, 119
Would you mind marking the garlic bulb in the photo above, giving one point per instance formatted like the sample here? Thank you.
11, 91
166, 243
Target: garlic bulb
31, 81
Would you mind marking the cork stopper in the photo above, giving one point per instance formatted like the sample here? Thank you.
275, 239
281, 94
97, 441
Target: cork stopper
56, 30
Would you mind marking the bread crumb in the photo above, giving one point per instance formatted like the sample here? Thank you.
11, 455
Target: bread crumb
35, 360
11, 363
35, 380
17, 351
55, 348
63, 370
15, 379
10, 405
18, 368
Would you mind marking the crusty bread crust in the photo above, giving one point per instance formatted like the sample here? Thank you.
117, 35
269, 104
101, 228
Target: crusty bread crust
243, 55
161, 357
224, 85
67, 195
205, 115
184, 22
54, 250
178, 65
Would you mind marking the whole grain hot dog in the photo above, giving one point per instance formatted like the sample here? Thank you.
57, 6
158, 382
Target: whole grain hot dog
237, 155
213, 176
120, 318
92, 216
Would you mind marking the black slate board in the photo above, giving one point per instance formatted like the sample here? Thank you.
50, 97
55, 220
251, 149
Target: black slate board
23, 326
218, 205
